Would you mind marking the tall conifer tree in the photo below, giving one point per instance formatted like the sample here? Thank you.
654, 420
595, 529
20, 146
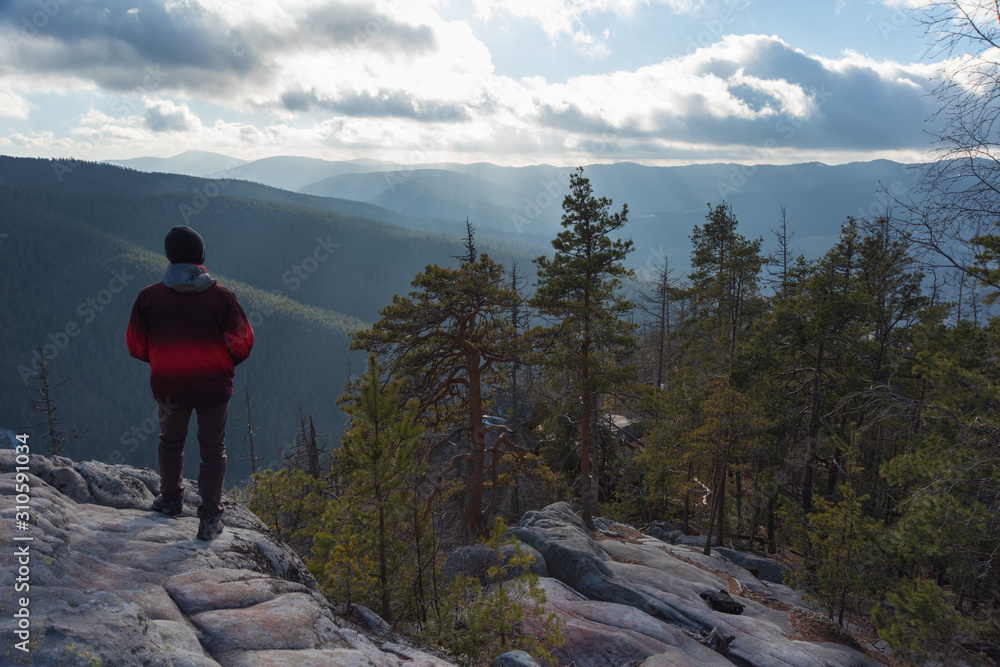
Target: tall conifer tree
448, 340
726, 267
577, 288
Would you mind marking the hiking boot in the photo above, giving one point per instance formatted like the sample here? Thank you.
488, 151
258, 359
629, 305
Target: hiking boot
168, 507
208, 528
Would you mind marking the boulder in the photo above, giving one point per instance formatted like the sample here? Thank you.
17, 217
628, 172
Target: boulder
601, 634
114, 583
515, 659
668, 531
764, 568
476, 560
697, 541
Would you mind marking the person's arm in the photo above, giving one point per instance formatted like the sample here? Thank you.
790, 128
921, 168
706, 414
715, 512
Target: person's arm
137, 336
239, 333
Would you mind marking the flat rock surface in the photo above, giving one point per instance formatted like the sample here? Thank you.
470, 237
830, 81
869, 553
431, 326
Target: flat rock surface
112, 583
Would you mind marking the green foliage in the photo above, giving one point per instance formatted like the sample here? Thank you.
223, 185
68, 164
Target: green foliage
728, 429
289, 502
841, 551
627, 503
365, 550
918, 620
726, 267
949, 524
344, 569
480, 623
579, 284
855, 393
668, 459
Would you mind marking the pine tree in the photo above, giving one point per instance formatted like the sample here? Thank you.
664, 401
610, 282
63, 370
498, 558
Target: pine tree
448, 341
840, 543
782, 258
290, 502
729, 425
726, 267
378, 455
508, 613
469, 243
658, 305
307, 454
251, 431
920, 622
45, 404
815, 325
577, 288
520, 318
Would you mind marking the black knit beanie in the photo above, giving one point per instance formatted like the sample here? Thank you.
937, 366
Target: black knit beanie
184, 246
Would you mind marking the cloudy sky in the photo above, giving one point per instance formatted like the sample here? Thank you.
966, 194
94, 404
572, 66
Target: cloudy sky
505, 81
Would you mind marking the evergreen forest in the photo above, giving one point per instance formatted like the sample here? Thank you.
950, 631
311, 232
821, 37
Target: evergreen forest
837, 413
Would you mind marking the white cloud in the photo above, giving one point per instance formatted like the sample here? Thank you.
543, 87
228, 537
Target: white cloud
906, 4
717, 82
397, 81
13, 105
168, 116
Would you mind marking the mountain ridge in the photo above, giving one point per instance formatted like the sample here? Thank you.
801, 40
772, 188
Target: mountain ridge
525, 202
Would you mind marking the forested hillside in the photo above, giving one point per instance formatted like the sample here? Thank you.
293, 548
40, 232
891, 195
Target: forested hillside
80, 244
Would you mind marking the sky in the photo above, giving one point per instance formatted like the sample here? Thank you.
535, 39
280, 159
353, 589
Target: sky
511, 82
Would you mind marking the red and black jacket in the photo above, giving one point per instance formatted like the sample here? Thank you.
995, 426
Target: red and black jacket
193, 333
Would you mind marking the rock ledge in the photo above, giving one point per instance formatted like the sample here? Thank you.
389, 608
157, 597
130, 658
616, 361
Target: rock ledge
112, 583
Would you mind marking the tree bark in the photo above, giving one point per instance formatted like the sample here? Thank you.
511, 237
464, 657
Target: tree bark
812, 436
771, 544
587, 499
474, 518
687, 499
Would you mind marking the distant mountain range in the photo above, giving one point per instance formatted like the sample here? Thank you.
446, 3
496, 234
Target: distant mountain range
81, 239
524, 203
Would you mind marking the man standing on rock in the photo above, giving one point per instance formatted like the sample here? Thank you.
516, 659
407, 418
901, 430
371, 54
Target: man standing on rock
193, 333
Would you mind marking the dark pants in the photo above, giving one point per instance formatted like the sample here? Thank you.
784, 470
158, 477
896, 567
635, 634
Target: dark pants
212, 443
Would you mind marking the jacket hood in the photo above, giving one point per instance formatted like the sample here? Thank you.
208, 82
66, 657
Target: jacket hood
188, 278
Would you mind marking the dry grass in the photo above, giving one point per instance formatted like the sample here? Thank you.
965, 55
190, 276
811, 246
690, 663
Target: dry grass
812, 627
619, 533
630, 561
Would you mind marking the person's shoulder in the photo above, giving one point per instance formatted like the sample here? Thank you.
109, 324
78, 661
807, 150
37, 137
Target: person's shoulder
223, 294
